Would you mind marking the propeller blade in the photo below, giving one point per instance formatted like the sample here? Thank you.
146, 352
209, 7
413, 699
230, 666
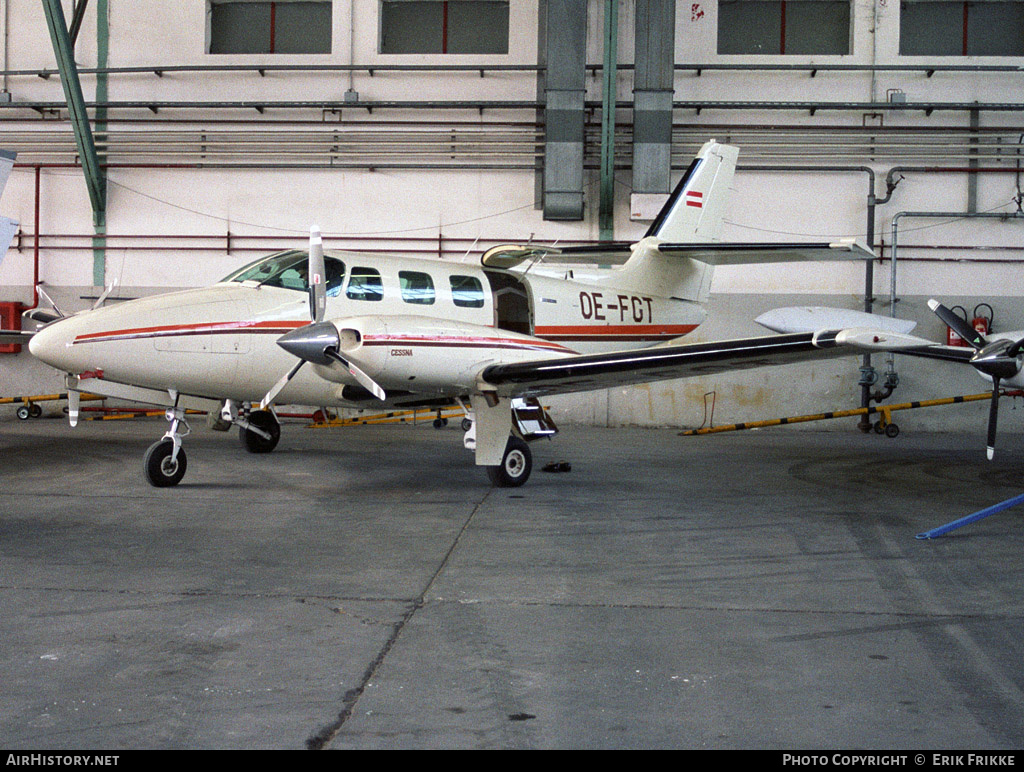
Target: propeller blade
1015, 349
277, 387
317, 276
993, 416
957, 324
364, 380
100, 300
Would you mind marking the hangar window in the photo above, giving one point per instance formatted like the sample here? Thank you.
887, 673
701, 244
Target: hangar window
283, 27
784, 27
959, 28
365, 284
416, 287
467, 291
444, 27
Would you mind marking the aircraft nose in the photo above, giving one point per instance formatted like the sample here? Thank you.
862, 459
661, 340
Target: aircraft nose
52, 345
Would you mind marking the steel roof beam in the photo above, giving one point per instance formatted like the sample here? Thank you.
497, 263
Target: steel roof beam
94, 177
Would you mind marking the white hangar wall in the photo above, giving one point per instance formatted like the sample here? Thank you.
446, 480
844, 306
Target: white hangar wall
173, 221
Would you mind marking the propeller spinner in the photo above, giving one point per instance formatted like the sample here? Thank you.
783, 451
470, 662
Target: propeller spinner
997, 359
317, 342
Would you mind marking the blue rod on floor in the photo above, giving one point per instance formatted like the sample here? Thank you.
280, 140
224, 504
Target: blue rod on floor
942, 530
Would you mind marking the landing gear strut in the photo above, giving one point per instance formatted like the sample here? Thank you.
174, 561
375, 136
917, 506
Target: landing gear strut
165, 461
259, 432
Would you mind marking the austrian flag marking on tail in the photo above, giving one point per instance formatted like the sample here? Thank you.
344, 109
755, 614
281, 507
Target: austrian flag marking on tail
694, 198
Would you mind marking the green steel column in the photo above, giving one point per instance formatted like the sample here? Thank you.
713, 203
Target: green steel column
76, 107
99, 241
606, 217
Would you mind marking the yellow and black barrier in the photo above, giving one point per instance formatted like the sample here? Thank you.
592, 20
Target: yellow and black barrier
132, 413
885, 411
44, 398
392, 417
30, 405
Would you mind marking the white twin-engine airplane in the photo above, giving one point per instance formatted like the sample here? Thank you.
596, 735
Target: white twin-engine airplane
400, 332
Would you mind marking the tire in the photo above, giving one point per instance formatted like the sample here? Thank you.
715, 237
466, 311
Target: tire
23, 413
892, 430
157, 466
466, 424
879, 428
515, 466
440, 423
35, 410
254, 443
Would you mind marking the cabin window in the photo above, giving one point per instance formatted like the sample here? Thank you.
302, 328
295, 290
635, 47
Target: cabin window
335, 275
467, 292
438, 27
416, 287
256, 27
365, 284
289, 270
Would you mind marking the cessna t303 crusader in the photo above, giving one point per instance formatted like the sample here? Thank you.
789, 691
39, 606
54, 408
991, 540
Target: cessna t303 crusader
381, 331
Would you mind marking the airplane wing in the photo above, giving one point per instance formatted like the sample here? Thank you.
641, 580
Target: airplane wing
601, 371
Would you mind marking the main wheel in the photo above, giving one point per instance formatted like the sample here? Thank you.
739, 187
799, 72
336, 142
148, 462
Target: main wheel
254, 443
515, 466
158, 467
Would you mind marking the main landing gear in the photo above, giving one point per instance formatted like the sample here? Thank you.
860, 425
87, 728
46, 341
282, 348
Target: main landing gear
515, 466
165, 461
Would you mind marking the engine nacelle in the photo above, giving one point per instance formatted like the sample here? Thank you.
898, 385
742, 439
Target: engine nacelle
420, 354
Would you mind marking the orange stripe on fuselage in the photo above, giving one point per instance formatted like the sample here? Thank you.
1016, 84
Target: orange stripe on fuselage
614, 331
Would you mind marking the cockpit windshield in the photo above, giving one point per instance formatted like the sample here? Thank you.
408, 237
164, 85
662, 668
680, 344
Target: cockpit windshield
289, 270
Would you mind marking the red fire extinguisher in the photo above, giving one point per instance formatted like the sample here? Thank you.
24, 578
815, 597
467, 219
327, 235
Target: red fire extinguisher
952, 338
981, 322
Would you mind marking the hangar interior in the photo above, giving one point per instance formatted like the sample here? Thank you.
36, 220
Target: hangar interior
370, 590
223, 130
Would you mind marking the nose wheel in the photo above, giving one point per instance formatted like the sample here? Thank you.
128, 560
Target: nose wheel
162, 466
165, 462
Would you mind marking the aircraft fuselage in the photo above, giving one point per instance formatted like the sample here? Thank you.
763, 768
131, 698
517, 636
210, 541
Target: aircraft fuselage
423, 329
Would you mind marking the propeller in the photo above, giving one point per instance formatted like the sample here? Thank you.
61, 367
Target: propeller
994, 358
317, 342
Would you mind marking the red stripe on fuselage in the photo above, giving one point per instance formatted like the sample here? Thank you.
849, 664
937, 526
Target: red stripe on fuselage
459, 341
177, 330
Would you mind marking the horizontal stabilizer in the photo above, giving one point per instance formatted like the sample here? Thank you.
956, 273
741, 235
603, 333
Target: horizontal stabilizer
744, 254
511, 255
812, 318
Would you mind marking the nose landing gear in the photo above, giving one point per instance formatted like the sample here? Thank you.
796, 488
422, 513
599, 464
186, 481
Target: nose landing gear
165, 462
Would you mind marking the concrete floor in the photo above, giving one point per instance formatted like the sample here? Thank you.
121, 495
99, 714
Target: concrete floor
366, 588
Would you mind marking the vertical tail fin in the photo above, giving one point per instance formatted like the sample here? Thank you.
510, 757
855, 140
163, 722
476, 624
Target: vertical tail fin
696, 209
693, 214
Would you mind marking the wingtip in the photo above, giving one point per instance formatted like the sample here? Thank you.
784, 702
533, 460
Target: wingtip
933, 303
